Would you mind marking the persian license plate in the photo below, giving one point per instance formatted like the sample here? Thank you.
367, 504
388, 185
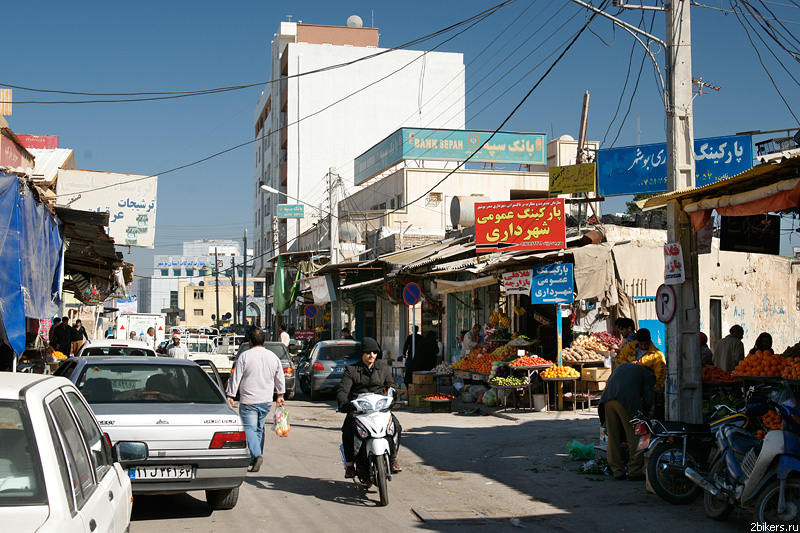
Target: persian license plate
147, 473
644, 442
338, 370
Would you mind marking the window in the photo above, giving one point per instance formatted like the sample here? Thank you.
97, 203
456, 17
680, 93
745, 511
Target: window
78, 464
258, 289
173, 299
399, 201
99, 451
165, 272
228, 272
239, 272
20, 467
190, 272
198, 312
198, 294
176, 271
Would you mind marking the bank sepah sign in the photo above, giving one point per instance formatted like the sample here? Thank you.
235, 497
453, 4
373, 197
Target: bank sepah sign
643, 169
450, 145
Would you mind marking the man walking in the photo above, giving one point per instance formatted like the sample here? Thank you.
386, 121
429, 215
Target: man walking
79, 336
628, 391
284, 336
730, 350
63, 335
257, 374
176, 349
149, 338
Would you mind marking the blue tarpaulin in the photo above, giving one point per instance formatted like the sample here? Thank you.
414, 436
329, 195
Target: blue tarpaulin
31, 245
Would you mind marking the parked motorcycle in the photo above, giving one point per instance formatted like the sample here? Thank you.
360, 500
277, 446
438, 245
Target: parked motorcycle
675, 445
749, 473
375, 438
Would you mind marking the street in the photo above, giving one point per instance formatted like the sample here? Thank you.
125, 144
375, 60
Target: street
507, 471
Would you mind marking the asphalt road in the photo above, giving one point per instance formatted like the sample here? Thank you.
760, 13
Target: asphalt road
507, 472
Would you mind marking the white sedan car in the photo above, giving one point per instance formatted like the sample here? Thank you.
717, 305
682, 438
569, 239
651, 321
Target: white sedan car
196, 441
57, 472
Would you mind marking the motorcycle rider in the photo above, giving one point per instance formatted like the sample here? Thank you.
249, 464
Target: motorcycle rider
370, 374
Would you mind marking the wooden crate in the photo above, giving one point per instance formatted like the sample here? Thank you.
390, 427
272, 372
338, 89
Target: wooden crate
595, 374
415, 400
421, 390
422, 378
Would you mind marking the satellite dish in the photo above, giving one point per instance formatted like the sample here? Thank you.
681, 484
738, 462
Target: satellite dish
354, 21
348, 232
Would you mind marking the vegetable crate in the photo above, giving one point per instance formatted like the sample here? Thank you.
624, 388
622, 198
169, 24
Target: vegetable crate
415, 400
441, 407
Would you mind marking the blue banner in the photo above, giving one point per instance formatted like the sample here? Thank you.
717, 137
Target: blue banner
290, 210
643, 169
450, 145
552, 284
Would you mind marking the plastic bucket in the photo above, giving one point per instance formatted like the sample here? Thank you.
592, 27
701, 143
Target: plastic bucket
539, 402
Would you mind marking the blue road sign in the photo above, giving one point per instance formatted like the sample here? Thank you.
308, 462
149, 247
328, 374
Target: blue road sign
412, 294
310, 311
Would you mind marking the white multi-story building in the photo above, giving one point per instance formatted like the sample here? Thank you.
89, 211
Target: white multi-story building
161, 290
309, 120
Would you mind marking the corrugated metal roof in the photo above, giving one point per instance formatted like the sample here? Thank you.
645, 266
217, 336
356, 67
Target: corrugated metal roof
48, 162
404, 258
758, 176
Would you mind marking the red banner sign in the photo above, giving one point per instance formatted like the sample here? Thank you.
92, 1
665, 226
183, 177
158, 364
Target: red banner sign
520, 225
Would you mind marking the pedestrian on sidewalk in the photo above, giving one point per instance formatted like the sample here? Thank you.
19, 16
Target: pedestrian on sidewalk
628, 391
79, 336
257, 374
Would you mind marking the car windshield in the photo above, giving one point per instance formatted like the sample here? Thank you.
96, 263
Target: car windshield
20, 469
341, 352
143, 383
280, 351
117, 350
199, 347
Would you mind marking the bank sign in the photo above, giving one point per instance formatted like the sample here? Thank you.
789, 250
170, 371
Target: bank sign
643, 169
450, 145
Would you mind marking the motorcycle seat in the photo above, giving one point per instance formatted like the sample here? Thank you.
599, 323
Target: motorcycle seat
680, 427
741, 443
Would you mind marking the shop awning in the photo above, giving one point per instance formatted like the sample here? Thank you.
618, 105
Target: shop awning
769, 187
31, 247
444, 286
361, 284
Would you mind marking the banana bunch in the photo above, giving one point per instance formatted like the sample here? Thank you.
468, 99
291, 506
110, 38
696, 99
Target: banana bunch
519, 311
327, 316
500, 319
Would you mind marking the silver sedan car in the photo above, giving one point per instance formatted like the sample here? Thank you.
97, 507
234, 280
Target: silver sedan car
196, 441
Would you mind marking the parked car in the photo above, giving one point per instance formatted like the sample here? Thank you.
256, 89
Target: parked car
115, 347
196, 440
322, 371
57, 472
289, 370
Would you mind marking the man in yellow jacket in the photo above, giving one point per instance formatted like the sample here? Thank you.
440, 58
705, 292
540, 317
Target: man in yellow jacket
644, 352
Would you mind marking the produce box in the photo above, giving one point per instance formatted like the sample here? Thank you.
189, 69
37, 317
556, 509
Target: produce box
596, 386
415, 400
440, 407
422, 378
421, 390
595, 374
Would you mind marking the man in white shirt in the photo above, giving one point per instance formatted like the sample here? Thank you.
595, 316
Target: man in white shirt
149, 338
472, 340
284, 336
258, 373
176, 349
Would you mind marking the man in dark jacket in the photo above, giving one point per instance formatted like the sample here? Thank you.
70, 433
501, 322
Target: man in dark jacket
367, 375
628, 391
63, 335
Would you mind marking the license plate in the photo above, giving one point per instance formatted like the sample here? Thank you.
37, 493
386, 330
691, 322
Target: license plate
644, 442
338, 370
146, 473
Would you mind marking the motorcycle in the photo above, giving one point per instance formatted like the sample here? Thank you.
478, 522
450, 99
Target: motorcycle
749, 473
375, 439
675, 445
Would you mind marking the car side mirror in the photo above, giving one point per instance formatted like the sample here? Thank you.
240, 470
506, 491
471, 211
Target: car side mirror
128, 451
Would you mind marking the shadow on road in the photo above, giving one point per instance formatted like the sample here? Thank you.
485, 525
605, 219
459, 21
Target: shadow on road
159, 507
343, 492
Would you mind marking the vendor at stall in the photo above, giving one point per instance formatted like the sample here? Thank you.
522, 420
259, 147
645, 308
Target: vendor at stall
644, 352
472, 340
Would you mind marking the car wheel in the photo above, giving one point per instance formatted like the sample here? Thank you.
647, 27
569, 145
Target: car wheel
305, 386
222, 500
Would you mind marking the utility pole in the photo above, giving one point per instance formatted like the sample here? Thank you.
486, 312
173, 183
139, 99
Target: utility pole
333, 227
683, 386
244, 282
216, 282
233, 283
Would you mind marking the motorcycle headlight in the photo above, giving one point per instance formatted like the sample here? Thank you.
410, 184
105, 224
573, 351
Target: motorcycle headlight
390, 427
362, 431
364, 405
380, 404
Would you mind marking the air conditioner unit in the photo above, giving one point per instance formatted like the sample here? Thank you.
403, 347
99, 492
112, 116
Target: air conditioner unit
434, 198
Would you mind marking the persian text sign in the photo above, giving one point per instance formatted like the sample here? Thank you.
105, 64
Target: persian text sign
518, 282
520, 225
552, 284
129, 199
643, 169
572, 179
290, 210
450, 145
674, 270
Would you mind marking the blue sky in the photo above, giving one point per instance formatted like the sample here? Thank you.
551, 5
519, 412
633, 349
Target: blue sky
149, 46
